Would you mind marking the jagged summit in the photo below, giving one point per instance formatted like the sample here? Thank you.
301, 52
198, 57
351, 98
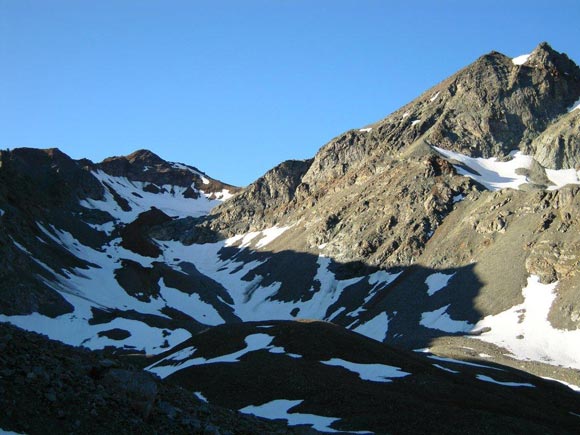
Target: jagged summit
142, 156
547, 57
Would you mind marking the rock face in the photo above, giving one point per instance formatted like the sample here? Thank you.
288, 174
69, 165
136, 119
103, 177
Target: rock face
557, 146
263, 202
376, 195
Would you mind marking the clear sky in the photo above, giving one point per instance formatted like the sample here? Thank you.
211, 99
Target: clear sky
235, 87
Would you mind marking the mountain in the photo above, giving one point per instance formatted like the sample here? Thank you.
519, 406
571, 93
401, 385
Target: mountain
450, 226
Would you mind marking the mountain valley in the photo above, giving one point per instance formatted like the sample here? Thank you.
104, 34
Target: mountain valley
417, 275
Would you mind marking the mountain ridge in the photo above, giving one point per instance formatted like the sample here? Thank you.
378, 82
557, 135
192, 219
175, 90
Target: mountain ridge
450, 225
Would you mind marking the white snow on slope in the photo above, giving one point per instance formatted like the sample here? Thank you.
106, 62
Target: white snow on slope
270, 234
97, 287
457, 198
437, 281
439, 319
172, 202
376, 328
200, 396
190, 169
365, 130
505, 384
369, 372
378, 280
520, 60
264, 237
278, 409
525, 331
185, 358
74, 329
561, 177
574, 106
2, 212
190, 303
415, 122
496, 175
458, 361
446, 369
254, 302
434, 97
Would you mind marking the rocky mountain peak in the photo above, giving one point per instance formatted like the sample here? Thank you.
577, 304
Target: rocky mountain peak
145, 166
144, 157
557, 63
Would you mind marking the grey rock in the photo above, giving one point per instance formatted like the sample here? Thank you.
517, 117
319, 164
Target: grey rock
136, 387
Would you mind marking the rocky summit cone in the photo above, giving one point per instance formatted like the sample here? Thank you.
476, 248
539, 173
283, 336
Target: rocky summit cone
425, 265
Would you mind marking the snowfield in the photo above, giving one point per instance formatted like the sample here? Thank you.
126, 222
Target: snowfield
525, 331
496, 175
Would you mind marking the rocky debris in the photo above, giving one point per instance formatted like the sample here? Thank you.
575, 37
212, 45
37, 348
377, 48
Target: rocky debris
137, 388
187, 230
135, 235
46, 386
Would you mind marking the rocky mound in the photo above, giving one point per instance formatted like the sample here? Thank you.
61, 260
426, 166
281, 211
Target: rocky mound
308, 372
48, 387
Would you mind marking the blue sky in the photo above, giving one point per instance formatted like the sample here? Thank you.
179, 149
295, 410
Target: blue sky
235, 87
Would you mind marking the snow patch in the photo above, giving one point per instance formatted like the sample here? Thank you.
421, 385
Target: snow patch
574, 106
224, 195
440, 320
496, 175
415, 122
264, 237
271, 234
2, 212
525, 331
278, 409
457, 361
491, 173
185, 358
376, 328
170, 199
437, 281
192, 304
365, 130
457, 198
434, 97
505, 384
446, 369
200, 396
562, 177
369, 372
520, 60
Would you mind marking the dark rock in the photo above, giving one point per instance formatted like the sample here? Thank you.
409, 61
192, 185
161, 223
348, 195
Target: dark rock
138, 388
